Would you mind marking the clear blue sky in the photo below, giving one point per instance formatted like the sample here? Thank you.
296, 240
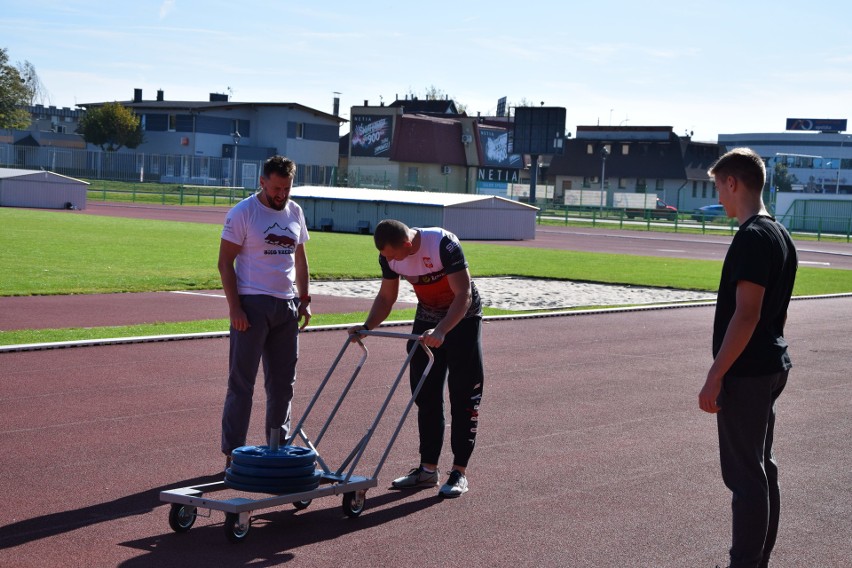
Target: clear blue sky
708, 67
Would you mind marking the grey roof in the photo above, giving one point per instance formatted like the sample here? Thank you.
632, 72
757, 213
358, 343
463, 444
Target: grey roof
9, 173
398, 196
215, 105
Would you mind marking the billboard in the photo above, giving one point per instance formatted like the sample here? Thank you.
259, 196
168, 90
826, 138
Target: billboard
495, 149
817, 124
538, 130
371, 135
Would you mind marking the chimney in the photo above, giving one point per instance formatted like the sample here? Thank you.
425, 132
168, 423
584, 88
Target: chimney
160, 95
137, 95
366, 102
336, 106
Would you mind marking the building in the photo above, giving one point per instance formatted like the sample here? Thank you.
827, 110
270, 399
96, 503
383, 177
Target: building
815, 157
204, 139
358, 210
636, 159
41, 190
427, 146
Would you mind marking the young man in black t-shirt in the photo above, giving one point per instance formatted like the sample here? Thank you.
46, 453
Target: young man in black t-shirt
751, 362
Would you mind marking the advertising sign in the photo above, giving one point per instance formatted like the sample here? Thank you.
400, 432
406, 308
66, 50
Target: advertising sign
371, 135
817, 124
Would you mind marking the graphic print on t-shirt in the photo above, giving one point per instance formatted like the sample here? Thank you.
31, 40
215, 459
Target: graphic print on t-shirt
277, 236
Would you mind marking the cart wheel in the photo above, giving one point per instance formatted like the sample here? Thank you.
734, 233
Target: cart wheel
302, 505
233, 530
353, 503
181, 517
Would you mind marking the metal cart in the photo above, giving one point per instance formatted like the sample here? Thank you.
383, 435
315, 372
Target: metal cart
186, 501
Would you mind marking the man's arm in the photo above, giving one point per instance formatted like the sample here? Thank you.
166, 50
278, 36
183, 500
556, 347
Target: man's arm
303, 283
460, 285
228, 252
737, 336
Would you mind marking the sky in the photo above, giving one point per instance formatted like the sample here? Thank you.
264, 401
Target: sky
708, 68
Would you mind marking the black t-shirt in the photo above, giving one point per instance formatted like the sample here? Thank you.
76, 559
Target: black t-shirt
761, 252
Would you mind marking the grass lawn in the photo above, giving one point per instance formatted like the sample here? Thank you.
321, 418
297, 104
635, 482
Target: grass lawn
59, 252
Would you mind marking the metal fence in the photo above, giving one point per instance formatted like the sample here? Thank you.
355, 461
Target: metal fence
142, 167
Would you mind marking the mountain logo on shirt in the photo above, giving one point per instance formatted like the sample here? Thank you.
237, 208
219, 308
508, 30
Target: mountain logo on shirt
281, 240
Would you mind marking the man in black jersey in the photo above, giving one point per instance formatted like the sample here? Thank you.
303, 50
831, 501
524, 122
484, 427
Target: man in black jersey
449, 321
750, 359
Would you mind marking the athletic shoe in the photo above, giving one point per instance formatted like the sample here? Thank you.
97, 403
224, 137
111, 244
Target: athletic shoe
456, 485
417, 477
227, 462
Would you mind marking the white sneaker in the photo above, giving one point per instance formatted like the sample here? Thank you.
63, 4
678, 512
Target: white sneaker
456, 485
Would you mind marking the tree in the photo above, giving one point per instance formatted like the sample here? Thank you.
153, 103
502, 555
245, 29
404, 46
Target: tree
36, 92
433, 93
111, 126
14, 96
782, 178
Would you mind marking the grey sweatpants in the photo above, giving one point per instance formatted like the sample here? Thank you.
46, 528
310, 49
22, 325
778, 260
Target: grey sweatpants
273, 336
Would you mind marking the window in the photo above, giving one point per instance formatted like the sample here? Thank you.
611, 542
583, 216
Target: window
411, 179
566, 184
172, 122
694, 189
587, 182
625, 149
713, 191
300, 130
704, 190
622, 183
659, 185
590, 149
641, 185
142, 121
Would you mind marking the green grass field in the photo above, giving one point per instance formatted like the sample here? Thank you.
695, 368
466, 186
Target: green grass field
57, 252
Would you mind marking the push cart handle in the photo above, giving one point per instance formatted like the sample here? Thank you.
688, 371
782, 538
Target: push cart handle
394, 334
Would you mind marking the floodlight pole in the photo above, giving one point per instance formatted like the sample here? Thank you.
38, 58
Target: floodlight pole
533, 176
604, 154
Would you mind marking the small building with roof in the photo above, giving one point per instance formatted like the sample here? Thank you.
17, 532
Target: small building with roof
358, 210
41, 190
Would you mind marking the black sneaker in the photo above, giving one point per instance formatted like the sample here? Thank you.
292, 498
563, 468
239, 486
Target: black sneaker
456, 485
417, 477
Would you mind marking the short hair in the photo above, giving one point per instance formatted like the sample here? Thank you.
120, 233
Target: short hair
390, 232
280, 165
744, 164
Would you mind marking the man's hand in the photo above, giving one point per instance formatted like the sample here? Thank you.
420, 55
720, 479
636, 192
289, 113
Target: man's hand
239, 320
354, 332
304, 313
432, 338
709, 394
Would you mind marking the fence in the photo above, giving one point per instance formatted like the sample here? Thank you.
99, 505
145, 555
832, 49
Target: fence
141, 167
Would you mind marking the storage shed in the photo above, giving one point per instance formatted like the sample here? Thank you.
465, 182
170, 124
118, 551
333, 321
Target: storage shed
356, 210
41, 190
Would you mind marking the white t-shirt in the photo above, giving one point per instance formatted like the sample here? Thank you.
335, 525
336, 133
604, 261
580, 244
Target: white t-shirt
266, 264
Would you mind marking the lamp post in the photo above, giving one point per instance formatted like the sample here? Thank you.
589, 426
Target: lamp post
237, 137
604, 154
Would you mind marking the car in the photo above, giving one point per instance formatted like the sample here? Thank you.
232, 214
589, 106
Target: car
662, 211
709, 213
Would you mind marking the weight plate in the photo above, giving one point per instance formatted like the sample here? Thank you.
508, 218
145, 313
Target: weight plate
270, 488
275, 472
285, 456
283, 482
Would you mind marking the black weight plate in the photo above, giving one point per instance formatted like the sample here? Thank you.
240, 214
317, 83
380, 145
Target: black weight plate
277, 472
270, 488
285, 456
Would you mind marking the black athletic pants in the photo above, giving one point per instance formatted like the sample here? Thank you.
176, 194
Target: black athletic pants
458, 363
746, 424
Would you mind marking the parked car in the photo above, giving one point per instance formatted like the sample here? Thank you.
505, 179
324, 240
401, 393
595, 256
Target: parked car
709, 213
662, 211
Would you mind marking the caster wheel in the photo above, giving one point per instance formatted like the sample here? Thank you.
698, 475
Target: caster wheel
302, 505
181, 517
234, 530
353, 503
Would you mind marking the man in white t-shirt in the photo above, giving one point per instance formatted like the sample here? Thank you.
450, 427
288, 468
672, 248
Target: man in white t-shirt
264, 270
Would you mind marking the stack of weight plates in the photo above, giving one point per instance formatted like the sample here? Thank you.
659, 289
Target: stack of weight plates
289, 469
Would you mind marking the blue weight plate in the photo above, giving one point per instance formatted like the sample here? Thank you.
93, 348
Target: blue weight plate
284, 482
284, 456
276, 472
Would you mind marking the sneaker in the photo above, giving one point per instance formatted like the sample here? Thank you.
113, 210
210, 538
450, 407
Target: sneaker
227, 462
417, 477
456, 485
